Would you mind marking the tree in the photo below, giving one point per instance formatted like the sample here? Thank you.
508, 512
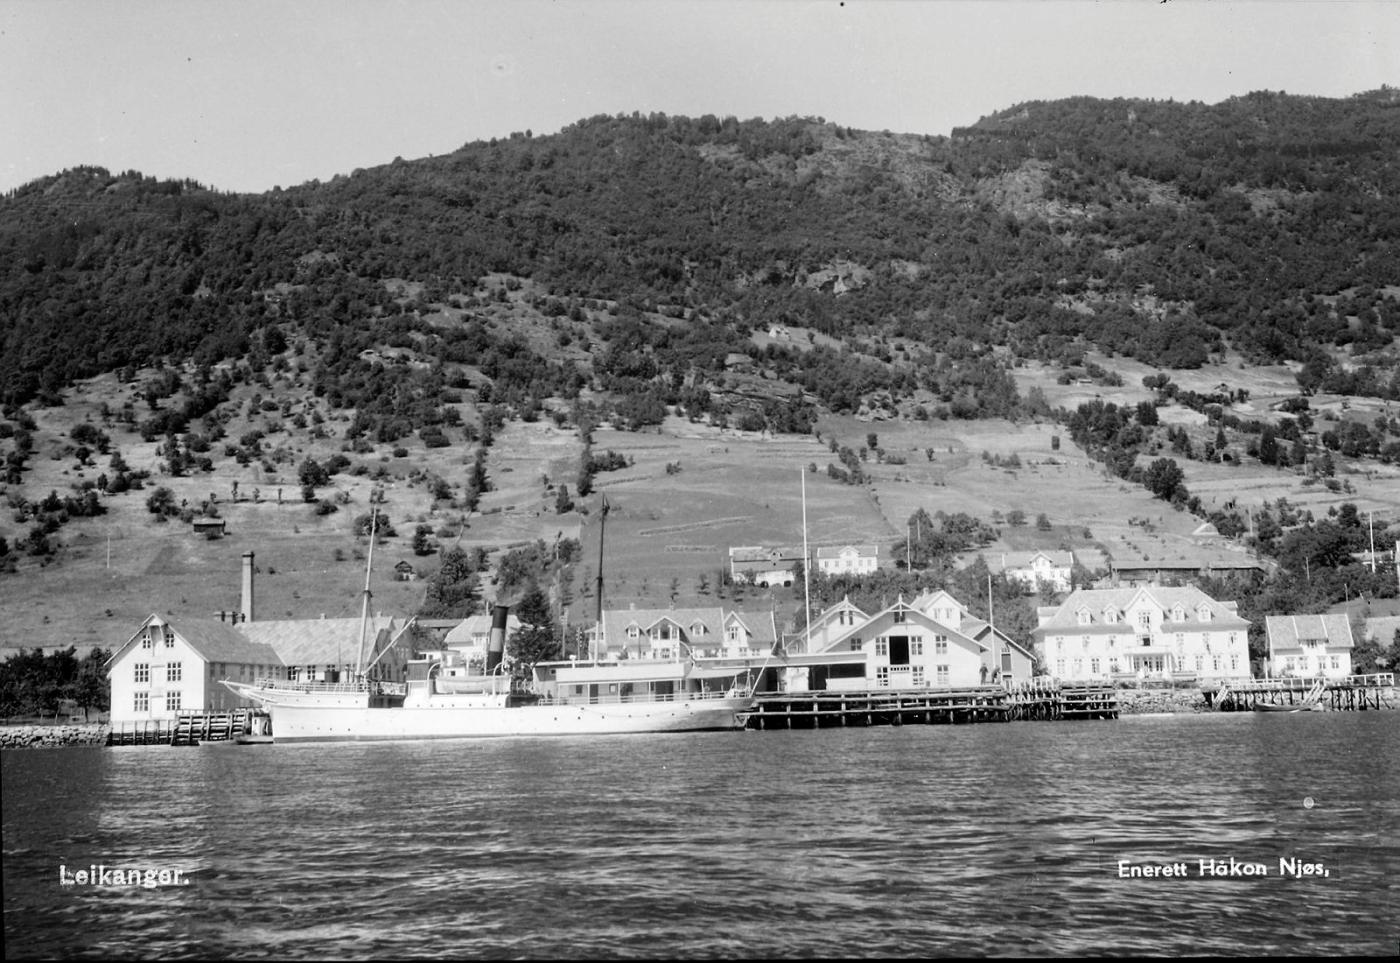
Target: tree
312, 474
161, 502
1164, 479
454, 589
422, 540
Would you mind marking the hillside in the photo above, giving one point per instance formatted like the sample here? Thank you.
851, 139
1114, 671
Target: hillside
1211, 285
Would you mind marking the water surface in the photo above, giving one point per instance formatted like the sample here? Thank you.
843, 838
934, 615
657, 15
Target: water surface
910, 841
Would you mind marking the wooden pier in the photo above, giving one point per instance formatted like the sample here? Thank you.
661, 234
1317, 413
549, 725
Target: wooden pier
952, 705
189, 728
1354, 693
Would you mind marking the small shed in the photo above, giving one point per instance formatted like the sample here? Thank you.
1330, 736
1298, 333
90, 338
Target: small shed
209, 527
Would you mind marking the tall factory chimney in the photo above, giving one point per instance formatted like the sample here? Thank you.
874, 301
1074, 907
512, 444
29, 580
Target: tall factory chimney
247, 608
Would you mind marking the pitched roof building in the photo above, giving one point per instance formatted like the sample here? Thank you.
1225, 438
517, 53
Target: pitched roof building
1309, 645
1157, 632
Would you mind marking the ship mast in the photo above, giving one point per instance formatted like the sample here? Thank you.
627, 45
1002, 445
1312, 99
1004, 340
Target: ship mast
364, 610
602, 526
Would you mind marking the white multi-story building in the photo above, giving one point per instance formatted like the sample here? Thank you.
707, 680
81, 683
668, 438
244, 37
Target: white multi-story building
1309, 645
1154, 632
848, 560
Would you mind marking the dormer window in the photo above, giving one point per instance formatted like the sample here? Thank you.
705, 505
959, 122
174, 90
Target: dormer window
1203, 614
1110, 615
633, 632
1178, 614
698, 629
1085, 617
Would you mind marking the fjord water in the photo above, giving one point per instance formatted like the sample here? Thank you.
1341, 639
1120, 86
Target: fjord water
911, 841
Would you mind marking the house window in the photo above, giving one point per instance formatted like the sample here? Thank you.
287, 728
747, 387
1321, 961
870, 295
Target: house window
1234, 662
941, 673
916, 647
664, 653
916, 675
172, 672
882, 675
899, 615
1085, 640
1114, 665
855, 643
172, 701
1336, 662
940, 645
169, 639
1203, 614
1215, 662
143, 702
146, 639
1178, 614
142, 673
697, 630
1200, 662
1084, 617
1110, 615
1094, 666
882, 646
633, 632
1060, 667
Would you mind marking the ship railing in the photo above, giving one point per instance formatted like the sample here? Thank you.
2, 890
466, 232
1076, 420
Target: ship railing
363, 685
644, 697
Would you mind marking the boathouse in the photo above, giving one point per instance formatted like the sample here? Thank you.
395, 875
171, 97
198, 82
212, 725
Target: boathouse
1309, 645
931, 642
1155, 632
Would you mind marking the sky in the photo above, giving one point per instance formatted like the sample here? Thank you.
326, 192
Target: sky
252, 94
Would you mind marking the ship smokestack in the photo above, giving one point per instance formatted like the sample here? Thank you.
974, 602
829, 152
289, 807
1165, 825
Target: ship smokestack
247, 610
496, 643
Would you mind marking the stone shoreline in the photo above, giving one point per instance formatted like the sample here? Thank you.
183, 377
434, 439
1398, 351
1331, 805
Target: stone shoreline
1136, 702
49, 737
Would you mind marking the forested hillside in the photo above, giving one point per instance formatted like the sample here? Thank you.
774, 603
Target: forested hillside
653, 246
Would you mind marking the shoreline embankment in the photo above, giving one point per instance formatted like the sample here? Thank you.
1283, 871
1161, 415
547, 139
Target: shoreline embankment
53, 736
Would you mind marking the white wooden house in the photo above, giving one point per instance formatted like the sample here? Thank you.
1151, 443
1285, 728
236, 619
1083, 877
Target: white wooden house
1309, 645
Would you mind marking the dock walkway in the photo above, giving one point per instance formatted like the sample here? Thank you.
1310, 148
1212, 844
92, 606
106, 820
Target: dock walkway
1353, 693
949, 705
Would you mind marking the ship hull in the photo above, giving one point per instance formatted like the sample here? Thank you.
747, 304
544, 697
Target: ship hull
299, 723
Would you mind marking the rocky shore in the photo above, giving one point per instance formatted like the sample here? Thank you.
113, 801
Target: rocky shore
1135, 702
48, 737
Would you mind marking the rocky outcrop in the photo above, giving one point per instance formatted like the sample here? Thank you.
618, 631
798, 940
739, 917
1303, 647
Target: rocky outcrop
49, 737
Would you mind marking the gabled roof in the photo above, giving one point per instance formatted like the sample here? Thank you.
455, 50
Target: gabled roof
213, 640
321, 641
1015, 560
1064, 617
864, 551
1290, 631
466, 632
912, 616
979, 631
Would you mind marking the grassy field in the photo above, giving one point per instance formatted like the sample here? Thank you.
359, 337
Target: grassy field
669, 529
